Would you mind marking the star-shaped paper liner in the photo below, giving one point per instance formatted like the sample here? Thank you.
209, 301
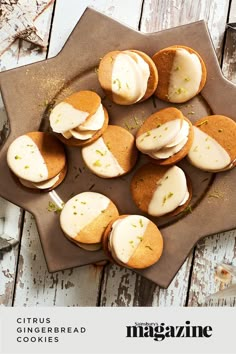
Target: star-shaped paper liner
17, 21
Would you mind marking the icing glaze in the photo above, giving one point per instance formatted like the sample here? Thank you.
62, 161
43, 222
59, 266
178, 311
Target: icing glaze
129, 78
126, 235
170, 192
88, 128
182, 134
185, 76
26, 161
40, 185
81, 210
100, 159
206, 153
65, 117
165, 152
159, 137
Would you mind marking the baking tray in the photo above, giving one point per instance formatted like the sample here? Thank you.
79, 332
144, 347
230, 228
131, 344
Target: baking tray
30, 92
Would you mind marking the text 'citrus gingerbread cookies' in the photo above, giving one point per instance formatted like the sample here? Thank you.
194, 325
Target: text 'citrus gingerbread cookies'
38, 160
182, 73
127, 76
113, 154
166, 136
84, 218
214, 147
133, 241
79, 119
161, 190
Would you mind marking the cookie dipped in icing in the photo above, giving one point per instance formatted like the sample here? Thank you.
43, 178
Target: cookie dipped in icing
38, 160
214, 148
84, 218
127, 76
161, 190
182, 73
113, 154
133, 241
79, 119
166, 136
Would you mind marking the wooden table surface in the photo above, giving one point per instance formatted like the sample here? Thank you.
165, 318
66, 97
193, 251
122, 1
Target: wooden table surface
24, 278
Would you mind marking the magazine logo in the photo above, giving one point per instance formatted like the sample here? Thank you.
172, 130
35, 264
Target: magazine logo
159, 332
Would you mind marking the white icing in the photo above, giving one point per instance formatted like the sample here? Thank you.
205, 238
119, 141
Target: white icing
100, 160
170, 192
81, 210
186, 197
95, 122
126, 235
26, 161
90, 247
88, 128
206, 153
82, 135
129, 78
185, 76
40, 185
159, 137
65, 117
183, 133
165, 152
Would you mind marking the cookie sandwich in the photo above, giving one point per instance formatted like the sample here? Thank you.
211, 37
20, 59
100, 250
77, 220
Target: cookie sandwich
38, 160
79, 119
113, 154
166, 136
84, 218
182, 73
161, 190
214, 147
133, 241
127, 76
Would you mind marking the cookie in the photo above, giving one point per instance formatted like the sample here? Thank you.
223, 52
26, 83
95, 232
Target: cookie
214, 147
113, 154
38, 160
182, 73
127, 76
161, 190
84, 218
79, 119
166, 136
133, 241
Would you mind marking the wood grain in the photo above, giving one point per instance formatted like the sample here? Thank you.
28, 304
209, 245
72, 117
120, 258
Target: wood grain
221, 247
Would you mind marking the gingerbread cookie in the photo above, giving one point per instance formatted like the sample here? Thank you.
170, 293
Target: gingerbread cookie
84, 218
133, 241
166, 136
127, 76
79, 119
214, 147
38, 160
113, 154
182, 73
161, 190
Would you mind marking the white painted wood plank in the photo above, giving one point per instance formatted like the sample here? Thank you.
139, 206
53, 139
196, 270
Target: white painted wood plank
159, 15
20, 53
221, 247
80, 286
68, 13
